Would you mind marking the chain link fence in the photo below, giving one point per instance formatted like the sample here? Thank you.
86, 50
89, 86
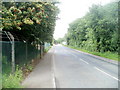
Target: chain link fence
24, 53
19, 53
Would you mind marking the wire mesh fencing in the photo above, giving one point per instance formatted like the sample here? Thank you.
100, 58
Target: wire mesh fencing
24, 53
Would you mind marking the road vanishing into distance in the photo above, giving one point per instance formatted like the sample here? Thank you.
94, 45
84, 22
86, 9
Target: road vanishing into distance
63, 67
73, 69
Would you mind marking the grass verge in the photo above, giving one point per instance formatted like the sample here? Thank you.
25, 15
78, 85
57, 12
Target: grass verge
109, 55
12, 80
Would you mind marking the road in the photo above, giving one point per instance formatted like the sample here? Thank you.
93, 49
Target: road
73, 69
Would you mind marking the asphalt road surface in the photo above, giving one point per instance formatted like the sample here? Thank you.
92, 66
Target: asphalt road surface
73, 69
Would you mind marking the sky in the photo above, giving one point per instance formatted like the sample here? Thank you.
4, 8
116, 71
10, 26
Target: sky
70, 10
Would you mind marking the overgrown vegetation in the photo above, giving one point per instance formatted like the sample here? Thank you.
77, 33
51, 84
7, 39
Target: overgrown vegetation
12, 80
32, 24
59, 41
97, 31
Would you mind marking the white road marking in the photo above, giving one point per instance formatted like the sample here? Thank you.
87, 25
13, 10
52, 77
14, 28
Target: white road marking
84, 61
53, 72
80, 59
71, 54
107, 74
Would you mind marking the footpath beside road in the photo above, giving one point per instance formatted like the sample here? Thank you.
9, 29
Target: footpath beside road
42, 76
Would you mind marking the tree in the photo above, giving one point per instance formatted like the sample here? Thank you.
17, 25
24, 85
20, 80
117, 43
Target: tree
32, 22
97, 30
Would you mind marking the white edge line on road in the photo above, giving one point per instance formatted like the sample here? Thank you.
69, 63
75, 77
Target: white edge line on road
53, 74
107, 74
84, 61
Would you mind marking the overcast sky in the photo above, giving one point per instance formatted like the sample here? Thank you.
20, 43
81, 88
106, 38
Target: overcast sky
70, 10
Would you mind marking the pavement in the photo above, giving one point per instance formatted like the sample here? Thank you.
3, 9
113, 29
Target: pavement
42, 76
63, 67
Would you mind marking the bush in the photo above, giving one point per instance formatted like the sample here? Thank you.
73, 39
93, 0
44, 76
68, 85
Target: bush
12, 80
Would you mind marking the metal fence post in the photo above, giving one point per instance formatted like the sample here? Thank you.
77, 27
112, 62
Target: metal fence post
13, 53
26, 51
41, 50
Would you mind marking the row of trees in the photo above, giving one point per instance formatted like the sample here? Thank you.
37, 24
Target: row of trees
59, 41
33, 22
97, 30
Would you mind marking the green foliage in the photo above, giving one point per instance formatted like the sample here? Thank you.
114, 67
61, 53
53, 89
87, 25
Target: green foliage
30, 21
12, 80
29, 67
60, 40
97, 30
6, 66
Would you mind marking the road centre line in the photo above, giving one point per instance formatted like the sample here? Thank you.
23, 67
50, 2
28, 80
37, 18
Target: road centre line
106, 73
101, 70
79, 59
95, 67
84, 61
98, 68
74, 55
71, 54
